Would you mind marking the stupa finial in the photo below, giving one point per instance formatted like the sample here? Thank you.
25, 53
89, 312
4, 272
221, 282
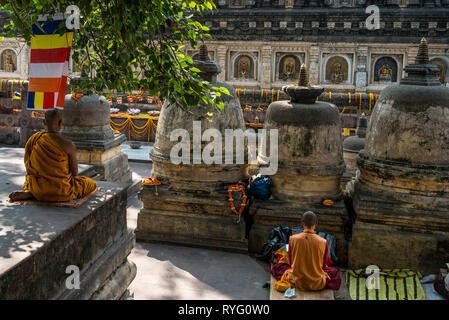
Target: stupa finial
203, 55
303, 76
423, 53
422, 72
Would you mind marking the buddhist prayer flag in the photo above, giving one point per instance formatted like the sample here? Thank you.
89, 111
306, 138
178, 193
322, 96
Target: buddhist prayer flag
49, 62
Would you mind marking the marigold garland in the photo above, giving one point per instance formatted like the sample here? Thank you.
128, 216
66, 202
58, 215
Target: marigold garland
241, 188
152, 181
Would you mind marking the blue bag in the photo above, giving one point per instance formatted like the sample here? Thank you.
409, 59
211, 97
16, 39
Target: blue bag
260, 187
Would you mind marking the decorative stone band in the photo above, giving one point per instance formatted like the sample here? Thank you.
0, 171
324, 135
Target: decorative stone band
197, 178
404, 177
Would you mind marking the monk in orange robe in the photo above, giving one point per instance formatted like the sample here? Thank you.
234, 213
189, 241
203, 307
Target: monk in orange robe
52, 166
309, 259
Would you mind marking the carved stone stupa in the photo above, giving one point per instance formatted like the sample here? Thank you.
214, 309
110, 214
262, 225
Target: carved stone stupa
87, 122
191, 205
401, 198
310, 166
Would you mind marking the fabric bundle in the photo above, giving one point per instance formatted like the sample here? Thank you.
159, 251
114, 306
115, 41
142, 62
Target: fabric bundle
50, 53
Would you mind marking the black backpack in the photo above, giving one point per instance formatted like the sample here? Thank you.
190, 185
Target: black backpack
278, 238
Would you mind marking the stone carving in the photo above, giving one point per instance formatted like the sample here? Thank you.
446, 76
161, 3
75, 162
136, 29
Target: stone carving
385, 70
244, 68
360, 79
289, 68
337, 70
8, 61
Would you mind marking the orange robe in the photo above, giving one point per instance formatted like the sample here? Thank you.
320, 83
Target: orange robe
308, 252
48, 173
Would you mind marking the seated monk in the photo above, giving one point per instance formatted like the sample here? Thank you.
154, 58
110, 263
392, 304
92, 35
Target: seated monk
309, 259
51, 166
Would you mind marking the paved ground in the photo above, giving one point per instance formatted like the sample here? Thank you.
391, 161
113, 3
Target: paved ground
141, 154
178, 272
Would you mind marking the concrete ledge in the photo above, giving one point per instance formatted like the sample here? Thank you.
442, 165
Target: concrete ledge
37, 244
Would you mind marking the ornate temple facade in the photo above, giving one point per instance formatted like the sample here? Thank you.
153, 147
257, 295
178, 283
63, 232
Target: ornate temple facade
261, 44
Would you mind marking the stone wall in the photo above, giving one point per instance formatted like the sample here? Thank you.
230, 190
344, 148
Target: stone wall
360, 73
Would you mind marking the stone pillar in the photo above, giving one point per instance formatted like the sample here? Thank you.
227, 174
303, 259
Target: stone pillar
265, 59
314, 64
87, 123
361, 75
222, 52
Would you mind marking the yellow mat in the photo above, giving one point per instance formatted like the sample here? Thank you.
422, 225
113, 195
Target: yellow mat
393, 284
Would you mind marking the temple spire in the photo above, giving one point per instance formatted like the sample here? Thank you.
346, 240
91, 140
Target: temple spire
303, 76
422, 72
423, 53
204, 54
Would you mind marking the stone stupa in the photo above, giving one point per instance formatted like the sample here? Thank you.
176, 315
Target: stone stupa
401, 197
192, 206
309, 169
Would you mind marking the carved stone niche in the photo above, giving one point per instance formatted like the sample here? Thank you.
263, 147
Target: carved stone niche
243, 66
337, 68
8, 61
287, 65
385, 68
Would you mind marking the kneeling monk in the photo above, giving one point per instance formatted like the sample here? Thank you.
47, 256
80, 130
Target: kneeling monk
51, 166
308, 254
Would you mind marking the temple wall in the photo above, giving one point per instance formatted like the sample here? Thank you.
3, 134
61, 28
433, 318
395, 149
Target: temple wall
337, 66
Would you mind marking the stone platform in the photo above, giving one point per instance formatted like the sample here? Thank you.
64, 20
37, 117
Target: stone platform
189, 219
325, 294
399, 226
268, 214
37, 243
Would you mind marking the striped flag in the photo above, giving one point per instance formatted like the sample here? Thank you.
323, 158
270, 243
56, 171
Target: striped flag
49, 61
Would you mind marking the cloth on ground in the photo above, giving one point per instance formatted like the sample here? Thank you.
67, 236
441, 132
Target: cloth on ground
430, 292
331, 241
440, 287
278, 270
48, 174
394, 284
334, 282
282, 255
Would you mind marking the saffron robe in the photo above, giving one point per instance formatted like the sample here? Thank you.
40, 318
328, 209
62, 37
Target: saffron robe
309, 257
48, 173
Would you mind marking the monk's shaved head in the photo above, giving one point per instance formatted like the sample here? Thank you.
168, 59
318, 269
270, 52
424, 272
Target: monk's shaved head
309, 219
52, 115
53, 119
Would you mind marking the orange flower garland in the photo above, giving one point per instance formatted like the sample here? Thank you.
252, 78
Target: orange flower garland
237, 187
151, 181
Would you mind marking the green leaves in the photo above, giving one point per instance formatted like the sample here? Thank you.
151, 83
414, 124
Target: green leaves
128, 45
